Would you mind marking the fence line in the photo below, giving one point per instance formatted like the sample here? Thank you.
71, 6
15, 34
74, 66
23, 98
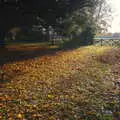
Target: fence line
111, 42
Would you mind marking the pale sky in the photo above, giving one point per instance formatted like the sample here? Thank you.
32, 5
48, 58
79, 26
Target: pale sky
115, 25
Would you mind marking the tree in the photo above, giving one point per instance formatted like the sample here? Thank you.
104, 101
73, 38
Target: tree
52, 12
85, 22
102, 16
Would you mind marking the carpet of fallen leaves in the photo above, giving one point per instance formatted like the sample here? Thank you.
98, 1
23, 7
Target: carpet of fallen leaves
58, 86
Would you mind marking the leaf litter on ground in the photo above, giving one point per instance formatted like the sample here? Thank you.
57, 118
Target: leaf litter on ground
57, 87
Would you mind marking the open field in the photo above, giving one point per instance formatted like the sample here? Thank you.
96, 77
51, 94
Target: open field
42, 83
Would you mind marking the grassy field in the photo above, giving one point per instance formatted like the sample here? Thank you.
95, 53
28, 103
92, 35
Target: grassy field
42, 83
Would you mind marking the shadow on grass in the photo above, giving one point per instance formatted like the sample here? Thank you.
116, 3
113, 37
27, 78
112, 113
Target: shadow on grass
20, 53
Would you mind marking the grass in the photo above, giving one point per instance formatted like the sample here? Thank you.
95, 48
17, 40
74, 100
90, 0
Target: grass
108, 117
57, 85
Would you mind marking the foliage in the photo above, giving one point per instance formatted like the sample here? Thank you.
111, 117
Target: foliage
103, 16
84, 23
84, 38
67, 17
50, 14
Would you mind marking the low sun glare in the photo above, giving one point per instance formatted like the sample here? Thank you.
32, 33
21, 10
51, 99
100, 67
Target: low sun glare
115, 24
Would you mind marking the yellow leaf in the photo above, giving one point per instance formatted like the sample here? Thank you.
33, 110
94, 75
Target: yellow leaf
50, 96
19, 116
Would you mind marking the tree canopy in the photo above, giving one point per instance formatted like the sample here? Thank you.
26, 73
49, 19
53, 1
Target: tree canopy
15, 12
56, 13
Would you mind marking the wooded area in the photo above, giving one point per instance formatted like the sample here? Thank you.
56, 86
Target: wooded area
65, 17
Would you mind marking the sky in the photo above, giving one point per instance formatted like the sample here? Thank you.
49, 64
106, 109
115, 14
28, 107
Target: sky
115, 24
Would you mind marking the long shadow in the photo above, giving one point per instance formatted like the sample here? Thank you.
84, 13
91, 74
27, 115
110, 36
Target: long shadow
9, 55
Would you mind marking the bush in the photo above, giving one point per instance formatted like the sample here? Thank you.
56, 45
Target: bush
83, 39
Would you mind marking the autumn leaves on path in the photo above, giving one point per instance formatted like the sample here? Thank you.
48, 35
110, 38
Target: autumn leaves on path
55, 87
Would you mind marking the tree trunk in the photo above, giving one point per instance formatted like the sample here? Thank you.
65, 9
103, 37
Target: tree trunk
2, 41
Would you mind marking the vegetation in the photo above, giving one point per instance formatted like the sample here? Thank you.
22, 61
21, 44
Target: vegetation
64, 18
80, 84
42, 82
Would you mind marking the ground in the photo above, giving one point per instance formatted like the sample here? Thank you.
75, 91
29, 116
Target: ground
41, 83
